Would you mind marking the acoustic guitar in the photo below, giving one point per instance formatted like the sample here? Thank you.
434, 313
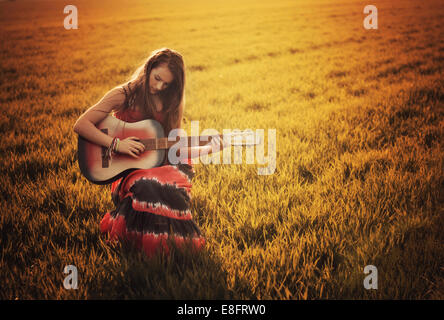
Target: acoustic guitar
98, 169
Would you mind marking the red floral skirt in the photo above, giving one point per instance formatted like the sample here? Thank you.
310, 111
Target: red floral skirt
153, 208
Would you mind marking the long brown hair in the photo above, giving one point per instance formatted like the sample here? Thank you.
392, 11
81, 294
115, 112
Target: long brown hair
138, 87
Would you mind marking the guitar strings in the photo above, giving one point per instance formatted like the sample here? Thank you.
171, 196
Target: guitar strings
150, 143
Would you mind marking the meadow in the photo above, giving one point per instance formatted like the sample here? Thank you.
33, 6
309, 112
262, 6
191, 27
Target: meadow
359, 120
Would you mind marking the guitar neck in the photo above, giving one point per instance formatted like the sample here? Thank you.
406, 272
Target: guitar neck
163, 143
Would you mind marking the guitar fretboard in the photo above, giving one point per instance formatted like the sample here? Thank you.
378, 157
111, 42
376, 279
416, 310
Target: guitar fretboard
163, 143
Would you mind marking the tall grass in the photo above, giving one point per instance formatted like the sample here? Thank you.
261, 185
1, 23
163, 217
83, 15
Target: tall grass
359, 177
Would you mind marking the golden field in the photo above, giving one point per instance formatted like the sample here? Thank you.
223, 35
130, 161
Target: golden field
359, 120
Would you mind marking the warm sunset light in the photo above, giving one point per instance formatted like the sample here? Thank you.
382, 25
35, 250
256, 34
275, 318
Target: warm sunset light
350, 101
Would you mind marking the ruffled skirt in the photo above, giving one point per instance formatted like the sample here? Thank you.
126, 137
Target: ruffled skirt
153, 209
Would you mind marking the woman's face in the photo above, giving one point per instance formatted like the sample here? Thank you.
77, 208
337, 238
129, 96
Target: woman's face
160, 78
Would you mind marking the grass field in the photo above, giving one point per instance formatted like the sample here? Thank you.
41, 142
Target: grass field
359, 120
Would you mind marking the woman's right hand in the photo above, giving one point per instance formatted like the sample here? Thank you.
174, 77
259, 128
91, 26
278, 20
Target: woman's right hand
131, 146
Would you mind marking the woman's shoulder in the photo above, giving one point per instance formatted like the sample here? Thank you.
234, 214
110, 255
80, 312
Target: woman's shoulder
110, 101
117, 92
117, 97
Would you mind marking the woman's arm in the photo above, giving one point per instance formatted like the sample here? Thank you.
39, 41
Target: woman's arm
197, 151
85, 125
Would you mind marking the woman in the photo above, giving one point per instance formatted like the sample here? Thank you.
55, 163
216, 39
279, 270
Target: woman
156, 91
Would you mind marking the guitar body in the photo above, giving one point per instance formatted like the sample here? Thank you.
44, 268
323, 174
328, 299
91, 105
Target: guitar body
99, 170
